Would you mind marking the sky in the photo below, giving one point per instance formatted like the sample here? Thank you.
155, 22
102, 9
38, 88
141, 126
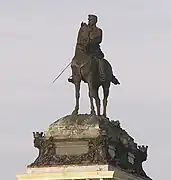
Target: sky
37, 40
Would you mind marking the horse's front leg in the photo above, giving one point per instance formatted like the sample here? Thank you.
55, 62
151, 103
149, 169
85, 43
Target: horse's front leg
77, 96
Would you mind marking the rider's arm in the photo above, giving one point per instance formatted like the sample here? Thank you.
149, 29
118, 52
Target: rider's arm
97, 39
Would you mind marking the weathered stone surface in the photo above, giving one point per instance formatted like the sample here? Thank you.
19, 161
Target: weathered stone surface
74, 126
68, 168
69, 175
78, 172
118, 173
89, 140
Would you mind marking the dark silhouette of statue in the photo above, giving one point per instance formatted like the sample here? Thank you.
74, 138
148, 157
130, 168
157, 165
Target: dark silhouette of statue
95, 37
89, 65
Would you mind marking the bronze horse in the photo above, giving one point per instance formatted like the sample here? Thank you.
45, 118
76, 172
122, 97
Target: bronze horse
86, 68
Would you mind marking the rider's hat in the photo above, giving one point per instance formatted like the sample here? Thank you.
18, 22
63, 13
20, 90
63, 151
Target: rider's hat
92, 16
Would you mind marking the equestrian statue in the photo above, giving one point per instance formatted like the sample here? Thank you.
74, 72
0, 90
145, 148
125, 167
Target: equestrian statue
88, 65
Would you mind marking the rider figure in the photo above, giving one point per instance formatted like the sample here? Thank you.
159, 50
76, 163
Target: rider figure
95, 38
93, 46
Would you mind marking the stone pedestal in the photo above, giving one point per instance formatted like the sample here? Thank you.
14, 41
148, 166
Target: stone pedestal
77, 172
86, 147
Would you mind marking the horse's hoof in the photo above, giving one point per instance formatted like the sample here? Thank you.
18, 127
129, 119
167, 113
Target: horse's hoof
75, 112
93, 112
104, 115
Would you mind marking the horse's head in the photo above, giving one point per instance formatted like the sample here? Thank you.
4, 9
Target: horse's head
83, 38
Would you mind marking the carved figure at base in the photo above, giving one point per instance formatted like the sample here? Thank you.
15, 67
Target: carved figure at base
89, 65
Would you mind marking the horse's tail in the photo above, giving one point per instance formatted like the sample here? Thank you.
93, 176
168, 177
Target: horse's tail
109, 73
115, 81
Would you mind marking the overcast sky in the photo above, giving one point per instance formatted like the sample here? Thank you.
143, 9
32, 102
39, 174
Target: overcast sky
37, 40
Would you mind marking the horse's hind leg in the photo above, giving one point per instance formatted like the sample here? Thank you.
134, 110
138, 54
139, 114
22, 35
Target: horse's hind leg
95, 95
91, 101
97, 99
106, 87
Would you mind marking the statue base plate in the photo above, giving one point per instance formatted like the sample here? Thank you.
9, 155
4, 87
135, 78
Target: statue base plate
77, 172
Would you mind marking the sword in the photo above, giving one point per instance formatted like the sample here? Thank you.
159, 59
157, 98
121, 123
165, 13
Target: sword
61, 72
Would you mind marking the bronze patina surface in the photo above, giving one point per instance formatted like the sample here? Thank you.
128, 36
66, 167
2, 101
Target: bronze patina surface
90, 66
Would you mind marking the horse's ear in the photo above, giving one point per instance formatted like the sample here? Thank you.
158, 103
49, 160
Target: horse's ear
82, 24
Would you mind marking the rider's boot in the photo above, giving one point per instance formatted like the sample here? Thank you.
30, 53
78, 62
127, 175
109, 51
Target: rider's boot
70, 79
